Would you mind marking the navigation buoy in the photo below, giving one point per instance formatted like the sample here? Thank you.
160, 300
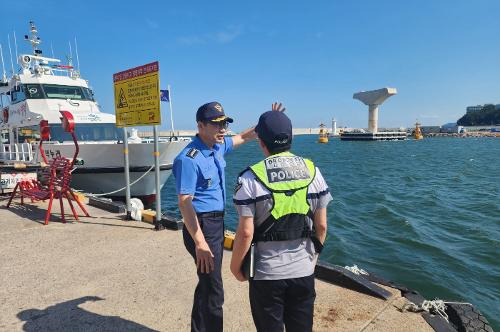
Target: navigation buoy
323, 134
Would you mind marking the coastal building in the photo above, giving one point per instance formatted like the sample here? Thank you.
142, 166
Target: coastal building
479, 108
472, 109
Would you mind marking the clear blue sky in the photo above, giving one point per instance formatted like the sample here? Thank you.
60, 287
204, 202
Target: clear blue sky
312, 55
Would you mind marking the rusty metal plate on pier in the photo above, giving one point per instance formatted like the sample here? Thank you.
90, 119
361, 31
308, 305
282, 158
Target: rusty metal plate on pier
345, 278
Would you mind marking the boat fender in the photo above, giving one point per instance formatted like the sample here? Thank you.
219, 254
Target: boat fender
5, 113
136, 208
465, 317
192, 153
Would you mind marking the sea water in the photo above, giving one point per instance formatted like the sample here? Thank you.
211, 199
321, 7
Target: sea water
424, 214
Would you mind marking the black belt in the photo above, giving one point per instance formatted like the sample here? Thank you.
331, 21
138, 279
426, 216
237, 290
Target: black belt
213, 214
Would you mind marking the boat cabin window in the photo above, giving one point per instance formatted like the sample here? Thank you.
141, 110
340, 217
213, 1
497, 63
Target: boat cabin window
67, 92
4, 136
33, 91
88, 132
54, 91
17, 94
28, 134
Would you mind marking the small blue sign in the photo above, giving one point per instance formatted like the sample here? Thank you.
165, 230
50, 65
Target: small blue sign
164, 95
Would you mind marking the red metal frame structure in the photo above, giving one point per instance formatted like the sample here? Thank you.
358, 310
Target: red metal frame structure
55, 179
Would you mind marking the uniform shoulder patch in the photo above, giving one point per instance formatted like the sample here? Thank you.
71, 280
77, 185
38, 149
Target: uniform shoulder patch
192, 153
237, 187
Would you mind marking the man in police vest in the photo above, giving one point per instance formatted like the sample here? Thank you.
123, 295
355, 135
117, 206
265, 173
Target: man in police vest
200, 184
282, 204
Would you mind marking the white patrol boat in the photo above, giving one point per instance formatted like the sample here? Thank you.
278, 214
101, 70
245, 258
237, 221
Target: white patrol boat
38, 91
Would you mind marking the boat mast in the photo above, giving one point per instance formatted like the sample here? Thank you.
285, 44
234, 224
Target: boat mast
77, 58
35, 40
15, 46
4, 76
10, 51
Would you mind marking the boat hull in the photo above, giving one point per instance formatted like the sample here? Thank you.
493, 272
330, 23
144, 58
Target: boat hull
369, 136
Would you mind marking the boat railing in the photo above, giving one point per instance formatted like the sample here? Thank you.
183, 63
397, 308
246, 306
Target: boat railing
163, 139
16, 152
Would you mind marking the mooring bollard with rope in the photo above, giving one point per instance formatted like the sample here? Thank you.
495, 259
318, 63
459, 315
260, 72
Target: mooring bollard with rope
435, 307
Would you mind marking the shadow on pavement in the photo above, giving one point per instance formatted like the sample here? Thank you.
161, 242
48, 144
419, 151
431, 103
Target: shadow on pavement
67, 316
33, 212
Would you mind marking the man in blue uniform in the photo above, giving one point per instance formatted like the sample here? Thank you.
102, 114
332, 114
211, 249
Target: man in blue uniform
200, 184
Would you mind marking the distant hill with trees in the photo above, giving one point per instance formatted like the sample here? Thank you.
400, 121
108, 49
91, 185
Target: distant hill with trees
486, 117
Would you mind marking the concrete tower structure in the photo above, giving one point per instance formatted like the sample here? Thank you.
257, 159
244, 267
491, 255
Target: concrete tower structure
374, 99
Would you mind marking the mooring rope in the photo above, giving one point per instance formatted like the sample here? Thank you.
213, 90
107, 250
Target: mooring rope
115, 191
436, 307
356, 270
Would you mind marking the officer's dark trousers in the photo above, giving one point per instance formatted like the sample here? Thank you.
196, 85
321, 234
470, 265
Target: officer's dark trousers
279, 303
209, 294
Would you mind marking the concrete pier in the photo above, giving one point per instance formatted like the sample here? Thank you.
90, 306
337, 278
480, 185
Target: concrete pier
107, 274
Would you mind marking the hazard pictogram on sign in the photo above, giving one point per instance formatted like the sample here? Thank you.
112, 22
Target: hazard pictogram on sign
122, 100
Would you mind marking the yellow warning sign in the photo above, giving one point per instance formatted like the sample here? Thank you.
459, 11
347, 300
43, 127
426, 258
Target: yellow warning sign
137, 96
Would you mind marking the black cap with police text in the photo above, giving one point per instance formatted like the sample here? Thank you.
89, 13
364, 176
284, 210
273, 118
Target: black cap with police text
212, 112
275, 129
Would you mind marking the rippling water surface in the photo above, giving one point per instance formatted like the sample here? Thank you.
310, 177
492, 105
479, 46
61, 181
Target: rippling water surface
425, 214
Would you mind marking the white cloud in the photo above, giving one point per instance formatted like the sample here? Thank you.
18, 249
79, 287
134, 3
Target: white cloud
228, 35
225, 36
191, 40
152, 24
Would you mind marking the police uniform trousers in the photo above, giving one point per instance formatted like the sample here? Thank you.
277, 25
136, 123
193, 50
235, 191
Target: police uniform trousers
286, 302
209, 294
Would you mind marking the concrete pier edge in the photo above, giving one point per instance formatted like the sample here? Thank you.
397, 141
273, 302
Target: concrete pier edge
59, 267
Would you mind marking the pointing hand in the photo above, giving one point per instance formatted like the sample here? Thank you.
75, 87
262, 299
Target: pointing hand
277, 107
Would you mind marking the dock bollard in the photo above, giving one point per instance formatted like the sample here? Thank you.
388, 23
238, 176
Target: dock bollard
229, 239
171, 222
148, 216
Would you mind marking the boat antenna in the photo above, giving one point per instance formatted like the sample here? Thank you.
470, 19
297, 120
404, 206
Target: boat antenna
70, 58
15, 46
10, 51
70, 53
4, 76
76, 52
52, 49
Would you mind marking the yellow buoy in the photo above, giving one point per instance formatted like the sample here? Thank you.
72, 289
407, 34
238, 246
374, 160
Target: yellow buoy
323, 134
418, 132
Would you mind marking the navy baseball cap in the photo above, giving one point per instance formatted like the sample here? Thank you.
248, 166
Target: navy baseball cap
212, 112
275, 129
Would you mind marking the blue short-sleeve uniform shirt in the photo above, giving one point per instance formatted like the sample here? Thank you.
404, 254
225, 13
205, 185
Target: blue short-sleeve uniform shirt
199, 171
